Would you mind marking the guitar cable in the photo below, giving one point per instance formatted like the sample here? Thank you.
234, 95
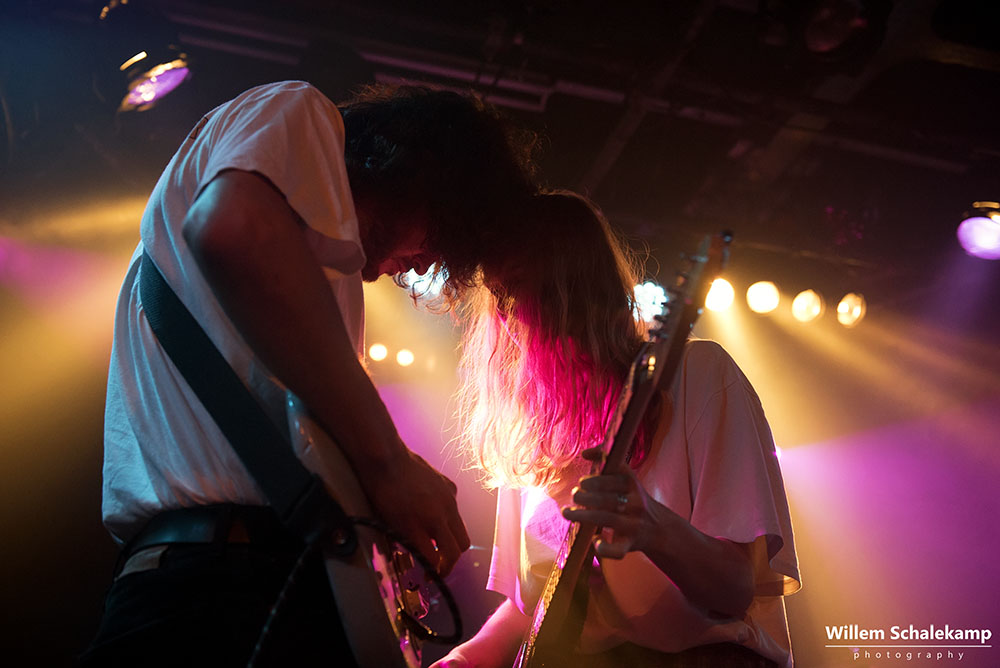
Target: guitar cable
272, 615
422, 631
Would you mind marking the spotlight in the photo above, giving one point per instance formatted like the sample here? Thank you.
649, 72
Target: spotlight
378, 352
404, 357
851, 309
425, 285
141, 46
649, 299
979, 233
807, 306
146, 88
720, 295
762, 297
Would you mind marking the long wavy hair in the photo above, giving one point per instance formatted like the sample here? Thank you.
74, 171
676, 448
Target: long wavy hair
548, 339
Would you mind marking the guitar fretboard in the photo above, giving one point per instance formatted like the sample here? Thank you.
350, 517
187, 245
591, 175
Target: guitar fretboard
553, 581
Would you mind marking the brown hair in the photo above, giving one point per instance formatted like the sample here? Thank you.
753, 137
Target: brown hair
548, 341
452, 156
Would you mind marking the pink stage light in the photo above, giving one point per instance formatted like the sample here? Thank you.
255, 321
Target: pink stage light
152, 86
980, 236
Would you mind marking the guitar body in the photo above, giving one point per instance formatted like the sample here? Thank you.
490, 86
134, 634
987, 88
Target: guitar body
367, 586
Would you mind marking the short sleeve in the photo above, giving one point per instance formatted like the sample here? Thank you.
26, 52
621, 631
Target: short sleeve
737, 490
294, 136
529, 531
505, 564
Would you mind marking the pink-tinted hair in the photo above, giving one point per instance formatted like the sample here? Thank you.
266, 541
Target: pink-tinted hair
548, 339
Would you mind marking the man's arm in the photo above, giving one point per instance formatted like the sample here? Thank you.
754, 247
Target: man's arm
496, 643
251, 247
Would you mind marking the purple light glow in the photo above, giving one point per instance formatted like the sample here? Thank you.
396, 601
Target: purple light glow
154, 85
980, 237
44, 275
897, 525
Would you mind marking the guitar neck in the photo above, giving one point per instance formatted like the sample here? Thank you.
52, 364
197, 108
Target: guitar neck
657, 362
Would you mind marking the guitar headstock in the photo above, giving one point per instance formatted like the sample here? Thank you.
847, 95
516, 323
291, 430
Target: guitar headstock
686, 297
662, 353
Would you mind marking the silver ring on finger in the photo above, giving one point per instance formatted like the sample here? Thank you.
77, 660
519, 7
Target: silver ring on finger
622, 500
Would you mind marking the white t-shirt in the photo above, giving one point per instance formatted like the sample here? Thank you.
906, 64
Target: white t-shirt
716, 467
161, 448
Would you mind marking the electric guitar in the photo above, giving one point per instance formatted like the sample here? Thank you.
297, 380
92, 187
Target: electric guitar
557, 619
377, 587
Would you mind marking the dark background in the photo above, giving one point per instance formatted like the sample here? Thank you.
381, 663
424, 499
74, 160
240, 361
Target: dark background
841, 141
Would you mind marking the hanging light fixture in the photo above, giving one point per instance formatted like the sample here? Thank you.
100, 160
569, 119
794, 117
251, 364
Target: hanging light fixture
763, 297
142, 46
720, 295
807, 306
851, 309
979, 232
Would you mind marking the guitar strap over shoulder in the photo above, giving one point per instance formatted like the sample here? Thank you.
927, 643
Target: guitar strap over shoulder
295, 493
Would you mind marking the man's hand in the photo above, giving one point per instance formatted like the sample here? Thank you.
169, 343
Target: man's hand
419, 502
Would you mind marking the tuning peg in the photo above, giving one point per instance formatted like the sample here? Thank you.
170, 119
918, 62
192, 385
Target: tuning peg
658, 334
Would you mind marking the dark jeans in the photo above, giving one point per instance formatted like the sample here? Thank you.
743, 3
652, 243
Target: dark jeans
206, 605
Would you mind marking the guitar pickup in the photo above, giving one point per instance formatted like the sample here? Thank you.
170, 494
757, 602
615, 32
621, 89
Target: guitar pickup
414, 602
402, 561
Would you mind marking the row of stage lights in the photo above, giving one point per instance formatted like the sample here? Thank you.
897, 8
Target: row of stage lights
762, 297
378, 352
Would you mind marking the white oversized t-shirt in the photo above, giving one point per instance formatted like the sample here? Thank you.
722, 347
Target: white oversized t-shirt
161, 448
714, 464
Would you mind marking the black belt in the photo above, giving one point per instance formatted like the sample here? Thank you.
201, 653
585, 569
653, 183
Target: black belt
202, 525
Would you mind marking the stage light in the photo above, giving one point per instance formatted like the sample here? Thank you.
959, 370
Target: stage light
807, 306
425, 285
141, 45
649, 299
378, 352
720, 295
762, 297
146, 88
851, 309
404, 357
979, 233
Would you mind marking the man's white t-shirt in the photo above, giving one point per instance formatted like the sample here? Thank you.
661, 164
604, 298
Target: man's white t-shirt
161, 448
713, 463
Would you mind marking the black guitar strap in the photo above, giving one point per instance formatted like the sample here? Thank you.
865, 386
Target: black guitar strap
295, 493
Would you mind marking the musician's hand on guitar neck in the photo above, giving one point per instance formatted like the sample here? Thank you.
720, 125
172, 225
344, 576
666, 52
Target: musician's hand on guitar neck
712, 572
417, 501
616, 500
